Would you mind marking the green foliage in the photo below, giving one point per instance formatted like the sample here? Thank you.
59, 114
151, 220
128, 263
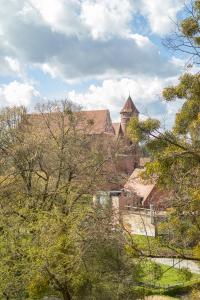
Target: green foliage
38, 287
175, 153
186, 38
164, 276
53, 241
169, 93
188, 87
185, 274
140, 130
190, 26
185, 290
151, 272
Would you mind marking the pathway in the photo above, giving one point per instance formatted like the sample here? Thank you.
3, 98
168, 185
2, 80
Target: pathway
193, 266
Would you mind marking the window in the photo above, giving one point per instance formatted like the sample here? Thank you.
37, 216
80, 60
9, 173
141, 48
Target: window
103, 198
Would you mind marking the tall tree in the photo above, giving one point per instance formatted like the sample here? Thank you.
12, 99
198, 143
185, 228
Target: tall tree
176, 153
53, 241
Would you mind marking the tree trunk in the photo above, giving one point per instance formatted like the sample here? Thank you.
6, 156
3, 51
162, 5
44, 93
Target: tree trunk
66, 295
6, 296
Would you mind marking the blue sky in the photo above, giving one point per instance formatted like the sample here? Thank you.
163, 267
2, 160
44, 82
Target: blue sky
93, 52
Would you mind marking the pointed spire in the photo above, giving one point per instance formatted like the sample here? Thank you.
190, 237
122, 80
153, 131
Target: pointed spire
129, 106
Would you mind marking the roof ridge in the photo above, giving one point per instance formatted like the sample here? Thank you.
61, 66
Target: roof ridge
94, 110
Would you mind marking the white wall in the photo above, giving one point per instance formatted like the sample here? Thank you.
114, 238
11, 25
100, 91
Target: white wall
137, 223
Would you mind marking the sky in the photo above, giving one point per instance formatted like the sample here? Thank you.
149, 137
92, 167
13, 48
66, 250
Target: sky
92, 52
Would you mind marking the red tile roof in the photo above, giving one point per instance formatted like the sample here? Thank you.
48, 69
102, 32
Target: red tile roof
129, 106
100, 121
95, 121
137, 185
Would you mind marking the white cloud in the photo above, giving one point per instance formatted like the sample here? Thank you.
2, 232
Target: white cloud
80, 39
9, 65
141, 40
89, 59
51, 69
104, 18
89, 39
15, 66
98, 18
160, 14
60, 15
146, 93
16, 93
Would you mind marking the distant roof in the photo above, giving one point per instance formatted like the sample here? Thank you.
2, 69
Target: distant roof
137, 185
129, 106
117, 128
96, 121
101, 121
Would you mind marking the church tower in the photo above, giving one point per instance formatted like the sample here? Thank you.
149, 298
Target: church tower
128, 111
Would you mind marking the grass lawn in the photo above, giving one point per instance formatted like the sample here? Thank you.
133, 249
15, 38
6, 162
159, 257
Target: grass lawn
160, 279
171, 281
164, 276
155, 246
173, 276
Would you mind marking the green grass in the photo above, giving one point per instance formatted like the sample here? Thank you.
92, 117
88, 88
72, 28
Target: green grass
173, 276
164, 276
173, 282
156, 246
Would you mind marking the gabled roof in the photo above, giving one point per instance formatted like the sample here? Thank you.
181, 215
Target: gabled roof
129, 106
101, 121
95, 121
138, 186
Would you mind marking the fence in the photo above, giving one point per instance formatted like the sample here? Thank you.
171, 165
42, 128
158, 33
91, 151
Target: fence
169, 286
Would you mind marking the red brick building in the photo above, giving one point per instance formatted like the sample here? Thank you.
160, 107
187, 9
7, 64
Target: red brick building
98, 123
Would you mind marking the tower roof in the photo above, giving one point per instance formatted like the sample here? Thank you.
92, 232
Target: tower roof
129, 106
